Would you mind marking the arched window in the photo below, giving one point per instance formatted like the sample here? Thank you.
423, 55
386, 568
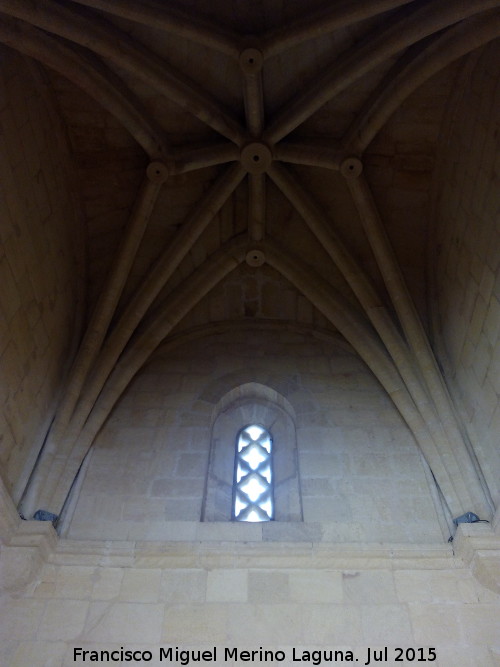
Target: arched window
253, 496
270, 490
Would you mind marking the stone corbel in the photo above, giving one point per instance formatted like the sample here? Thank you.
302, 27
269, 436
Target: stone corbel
24, 545
25, 553
478, 544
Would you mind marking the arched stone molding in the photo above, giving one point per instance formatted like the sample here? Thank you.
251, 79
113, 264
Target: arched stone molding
456, 479
253, 403
153, 332
173, 20
406, 76
116, 46
322, 22
349, 322
402, 32
251, 390
115, 343
89, 75
149, 290
236, 385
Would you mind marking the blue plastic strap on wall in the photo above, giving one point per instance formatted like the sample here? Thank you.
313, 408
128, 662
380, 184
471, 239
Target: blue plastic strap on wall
44, 515
468, 517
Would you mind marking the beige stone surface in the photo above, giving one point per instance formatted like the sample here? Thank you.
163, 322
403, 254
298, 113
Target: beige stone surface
387, 624
209, 623
315, 587
63, 619
141, 585
433, 587
107, 583
123, 622
45, 654
268, 587
360, 469
228, 586
367, 588
466, 272
332, 625
436, 623
20, 618
394, 597
188, 585
40, 267
285, 278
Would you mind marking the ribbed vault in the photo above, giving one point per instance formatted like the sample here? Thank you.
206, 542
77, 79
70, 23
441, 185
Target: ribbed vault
274, 122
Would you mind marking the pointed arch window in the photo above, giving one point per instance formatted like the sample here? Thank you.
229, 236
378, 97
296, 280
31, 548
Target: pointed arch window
253, 493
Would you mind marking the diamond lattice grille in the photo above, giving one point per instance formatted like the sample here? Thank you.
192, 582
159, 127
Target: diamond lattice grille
253, 482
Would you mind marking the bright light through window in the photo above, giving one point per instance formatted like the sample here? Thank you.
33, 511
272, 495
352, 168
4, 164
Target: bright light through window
253, 456
254, 431
253, 488
253, 483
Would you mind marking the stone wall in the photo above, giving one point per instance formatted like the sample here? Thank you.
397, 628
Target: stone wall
40, 267
141, 597
361, 475
249, 293
467, 256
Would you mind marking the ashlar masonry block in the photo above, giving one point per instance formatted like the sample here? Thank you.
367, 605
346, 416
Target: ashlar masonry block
227, 586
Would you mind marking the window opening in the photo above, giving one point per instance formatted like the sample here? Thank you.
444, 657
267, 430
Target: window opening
253, 475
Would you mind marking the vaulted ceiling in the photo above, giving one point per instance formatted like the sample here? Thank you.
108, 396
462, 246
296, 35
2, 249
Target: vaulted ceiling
263, 140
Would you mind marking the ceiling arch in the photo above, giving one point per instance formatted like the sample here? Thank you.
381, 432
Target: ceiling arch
398, 45
90, 415
92, 76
